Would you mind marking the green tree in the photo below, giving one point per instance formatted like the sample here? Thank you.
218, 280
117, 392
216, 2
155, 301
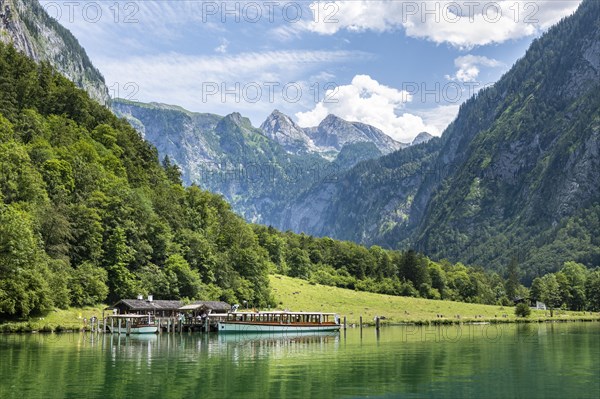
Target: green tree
537, 290
6, 130
299, 263
88, 285
575, 274
58, 176
187, 281
19, 180
438, 278
512, 278
522, 310
413, 267
23, 266
551, 294
118, 255
592, 290
158, 282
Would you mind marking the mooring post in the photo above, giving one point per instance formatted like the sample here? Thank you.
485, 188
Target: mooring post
112, 325
360, 326
104, 325
119, 326
180, 326
128, 327
377, 323
345, 325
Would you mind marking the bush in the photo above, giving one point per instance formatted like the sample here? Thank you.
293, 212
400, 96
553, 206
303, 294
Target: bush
522, 310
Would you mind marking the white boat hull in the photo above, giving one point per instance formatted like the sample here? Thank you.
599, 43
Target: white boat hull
144, 330
229, 327
137, 330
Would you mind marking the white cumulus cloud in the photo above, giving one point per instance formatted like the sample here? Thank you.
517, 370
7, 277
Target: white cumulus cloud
253, 83
468, 67
368, 101
461, 24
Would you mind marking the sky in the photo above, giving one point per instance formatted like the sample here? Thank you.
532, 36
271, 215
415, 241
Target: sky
402, 66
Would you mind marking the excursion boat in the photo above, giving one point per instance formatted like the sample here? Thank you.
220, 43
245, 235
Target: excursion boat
278, 322
134, 324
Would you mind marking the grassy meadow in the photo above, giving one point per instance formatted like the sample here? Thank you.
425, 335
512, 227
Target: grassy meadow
56, 320
300, 295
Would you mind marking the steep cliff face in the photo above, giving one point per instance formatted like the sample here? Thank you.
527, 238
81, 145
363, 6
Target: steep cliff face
517, 174
26, 25
532, 163
187, 138
370, 203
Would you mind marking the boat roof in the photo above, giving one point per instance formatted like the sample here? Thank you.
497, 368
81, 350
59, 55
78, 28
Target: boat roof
280, 312
211, 305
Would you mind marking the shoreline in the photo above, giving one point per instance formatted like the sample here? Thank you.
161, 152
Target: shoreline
28, 328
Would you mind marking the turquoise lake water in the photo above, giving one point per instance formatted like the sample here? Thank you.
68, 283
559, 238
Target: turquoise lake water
550, 360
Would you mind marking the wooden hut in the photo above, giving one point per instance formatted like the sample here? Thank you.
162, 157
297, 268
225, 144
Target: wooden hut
157, 308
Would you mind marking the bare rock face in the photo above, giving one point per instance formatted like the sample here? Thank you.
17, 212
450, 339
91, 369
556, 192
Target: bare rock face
27, 26
334, 133
328, 139
283, 130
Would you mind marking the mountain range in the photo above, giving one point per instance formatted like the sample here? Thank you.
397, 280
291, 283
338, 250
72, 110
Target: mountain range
515, 176
258, 170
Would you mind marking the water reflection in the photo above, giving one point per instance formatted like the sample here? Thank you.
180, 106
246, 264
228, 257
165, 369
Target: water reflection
528, 360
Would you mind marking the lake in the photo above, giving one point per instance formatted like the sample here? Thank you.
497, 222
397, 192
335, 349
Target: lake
550, 360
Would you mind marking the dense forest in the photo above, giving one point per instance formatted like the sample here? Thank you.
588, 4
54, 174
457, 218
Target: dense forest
88, 214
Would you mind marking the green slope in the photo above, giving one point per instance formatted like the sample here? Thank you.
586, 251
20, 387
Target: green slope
299, 295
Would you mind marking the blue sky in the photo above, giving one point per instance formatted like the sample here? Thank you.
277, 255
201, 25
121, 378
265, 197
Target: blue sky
402, 66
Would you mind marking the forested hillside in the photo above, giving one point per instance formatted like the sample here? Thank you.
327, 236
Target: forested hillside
89, 214
516, 175
521, 161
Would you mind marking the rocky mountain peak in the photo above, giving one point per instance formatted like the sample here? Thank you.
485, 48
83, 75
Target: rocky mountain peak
282, 129
335, 132
422, 137
237, 119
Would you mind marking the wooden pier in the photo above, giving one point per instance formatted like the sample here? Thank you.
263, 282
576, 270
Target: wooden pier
168, 325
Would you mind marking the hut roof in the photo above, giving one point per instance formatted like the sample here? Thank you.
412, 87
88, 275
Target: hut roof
158, 304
